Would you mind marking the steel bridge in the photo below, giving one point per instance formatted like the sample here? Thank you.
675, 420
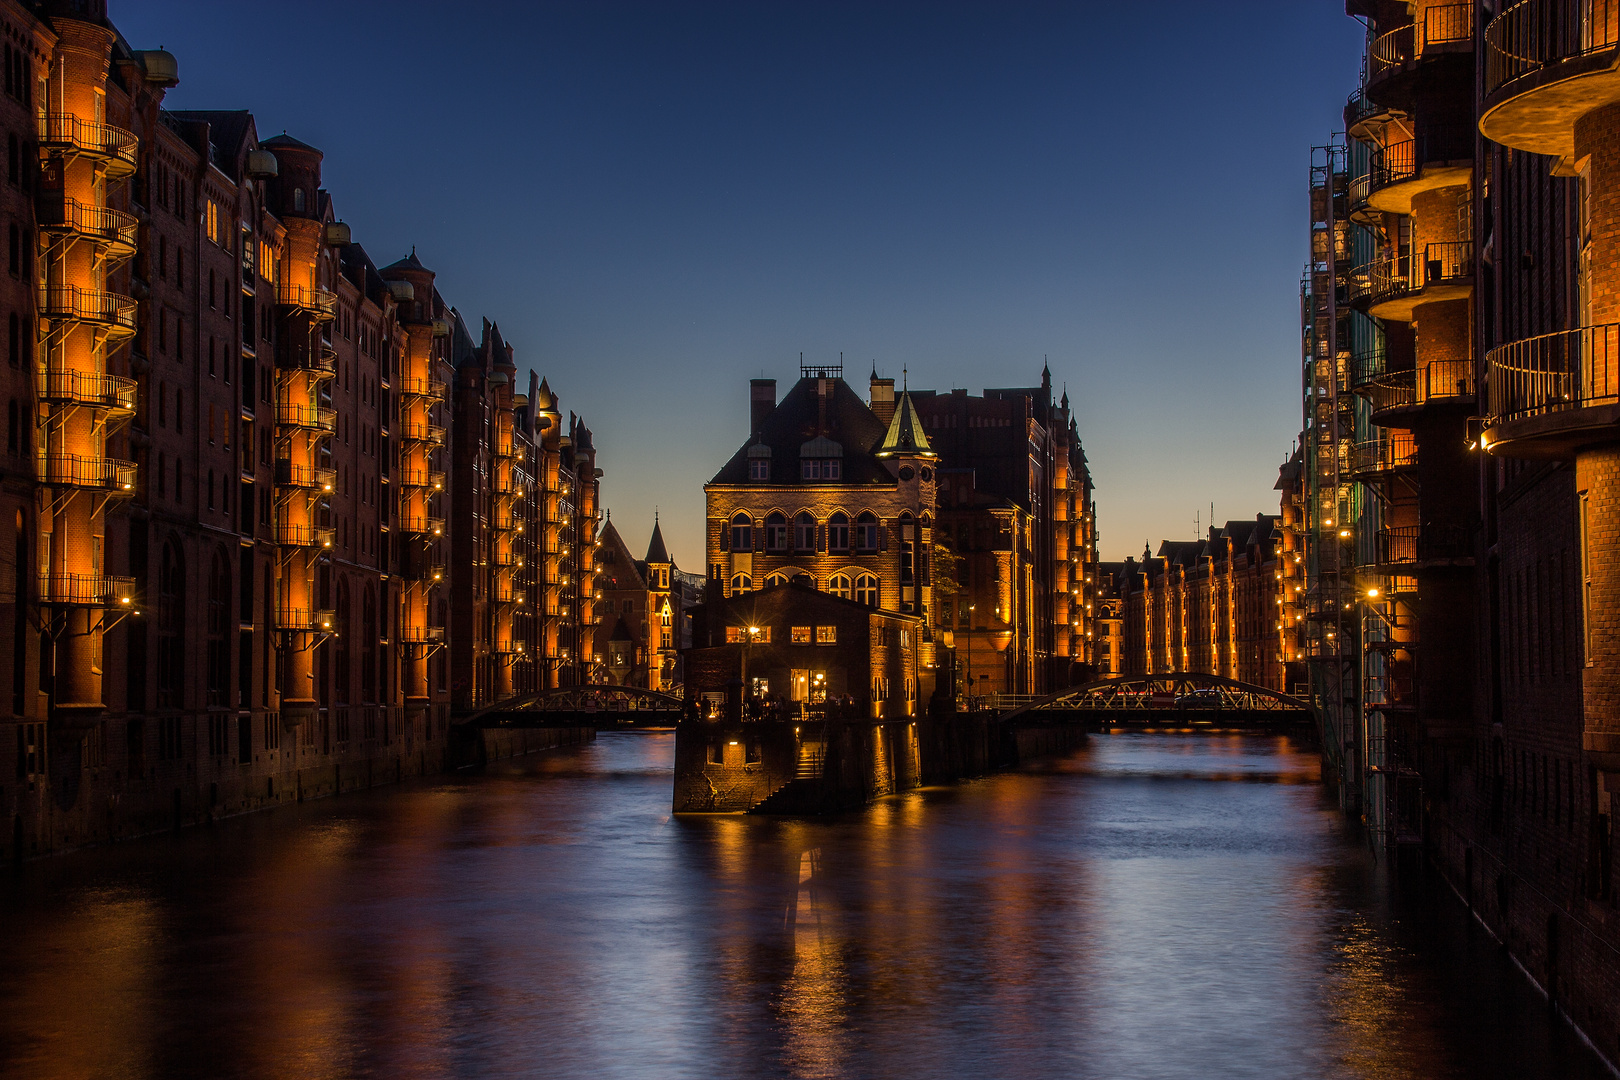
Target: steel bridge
600, 701
1182, 699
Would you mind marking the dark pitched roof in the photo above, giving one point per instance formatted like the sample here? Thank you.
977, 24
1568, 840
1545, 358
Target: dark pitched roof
656, 551
286, 141
409, 262
794, 422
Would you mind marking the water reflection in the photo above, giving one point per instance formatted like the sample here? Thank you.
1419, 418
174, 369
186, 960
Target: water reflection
1161, 906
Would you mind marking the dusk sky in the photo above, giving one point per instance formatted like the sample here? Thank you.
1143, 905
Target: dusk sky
660, 201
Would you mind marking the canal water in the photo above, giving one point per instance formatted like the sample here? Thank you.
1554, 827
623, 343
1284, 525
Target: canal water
1150, 907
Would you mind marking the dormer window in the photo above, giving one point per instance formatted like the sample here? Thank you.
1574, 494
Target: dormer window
759, 469
821, 469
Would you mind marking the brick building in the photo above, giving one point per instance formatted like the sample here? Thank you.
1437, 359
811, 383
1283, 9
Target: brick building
639, 634
1457, 485
1206, 606
225, 485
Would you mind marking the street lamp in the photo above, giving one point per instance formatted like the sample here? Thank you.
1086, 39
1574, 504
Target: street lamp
748, 644
971, 609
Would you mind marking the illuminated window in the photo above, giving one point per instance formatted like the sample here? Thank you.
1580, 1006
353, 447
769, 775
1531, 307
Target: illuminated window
775, 579
838, 585
801, 635
866, 590
742, 533
804, 532
838, 532
826, 635
741, 583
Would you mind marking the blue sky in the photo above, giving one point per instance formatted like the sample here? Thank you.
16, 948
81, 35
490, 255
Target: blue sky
660, 201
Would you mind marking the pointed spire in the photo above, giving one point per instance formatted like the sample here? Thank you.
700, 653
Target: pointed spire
656, 551
906, 436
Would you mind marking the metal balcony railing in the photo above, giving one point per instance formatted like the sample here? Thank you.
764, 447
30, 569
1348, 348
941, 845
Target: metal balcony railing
421, 523
506, 558
1442, 24
305, 476
1390, 51
1397, 450
113, 393
110, 312
1534, 34
309, 417
86, 590
421, 634
296, 535
1398, 545
508, 647
318, 360
416, 431
503, 519
1570, 369
115, 230
114, 146
320, 304
428, 388
80, 471
304, 620
422, 478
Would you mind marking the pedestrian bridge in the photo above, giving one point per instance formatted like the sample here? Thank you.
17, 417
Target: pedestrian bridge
593, 702
1175, 699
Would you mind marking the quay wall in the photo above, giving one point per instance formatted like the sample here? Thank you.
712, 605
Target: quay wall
113, 797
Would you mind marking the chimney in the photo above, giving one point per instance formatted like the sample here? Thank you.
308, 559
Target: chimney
761, 402
882, 399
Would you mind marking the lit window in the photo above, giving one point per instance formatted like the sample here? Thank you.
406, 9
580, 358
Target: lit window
804, 532
741, 583
742, 533
826, 635
866, 590
839, 585
801, 635
776, 531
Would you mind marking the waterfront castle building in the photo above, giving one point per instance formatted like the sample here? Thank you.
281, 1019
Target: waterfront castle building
1458, 488
268, 509
971, 515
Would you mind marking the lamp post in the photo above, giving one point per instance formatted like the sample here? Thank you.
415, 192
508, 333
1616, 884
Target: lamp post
748, 645
971, 609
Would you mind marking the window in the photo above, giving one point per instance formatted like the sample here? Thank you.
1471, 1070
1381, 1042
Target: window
776, 531
742, 533
838, 532
820, 468
759, 468
866, 590
866, 532
776, 579
839, 585
826, 635
801, 635
804, 532
741, 583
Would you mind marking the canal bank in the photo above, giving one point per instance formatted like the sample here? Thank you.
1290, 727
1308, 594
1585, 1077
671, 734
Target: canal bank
82, 802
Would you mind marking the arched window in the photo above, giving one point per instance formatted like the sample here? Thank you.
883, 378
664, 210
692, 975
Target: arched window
839, 585
804, 532
171, 623
219, 613
866, 532
776, 531
866, 590
742, 533
776, 579
838, 532
741, 583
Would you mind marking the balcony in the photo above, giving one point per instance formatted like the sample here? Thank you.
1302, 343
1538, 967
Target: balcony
307, 536
1402, 170
505, 592
112, 146
422, 478
318, 304
506, 558
1397, 546
114, 231
421, 523
320, 360
508, 647
1394, 57
1548, 63
1553, 392
416, 431
1396, 452
419, 388
306, 417
110, 393
91, 473
86, 590
1394, 288
503, 520
421, 633
107, 312
305, 621
1362, 115
1396, 395
308, 477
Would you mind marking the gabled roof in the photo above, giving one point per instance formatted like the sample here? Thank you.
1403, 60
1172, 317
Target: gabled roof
618, 553
796, 420
906, 435
287, 142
